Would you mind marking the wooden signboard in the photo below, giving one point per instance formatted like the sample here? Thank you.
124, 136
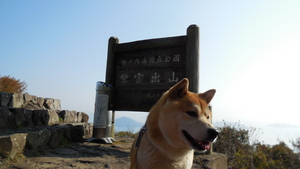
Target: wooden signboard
141, 71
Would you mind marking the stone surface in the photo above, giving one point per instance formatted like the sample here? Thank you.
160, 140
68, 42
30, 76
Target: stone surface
57, 135
12, 145
53, 104
11, 118
7, 119
40, 102
77, 132
37, 139
53, 117
30, 98
48, 103
85, 118
79, 117
40, 117
23, 117
17, 100
5, 99
68, 116
88, 130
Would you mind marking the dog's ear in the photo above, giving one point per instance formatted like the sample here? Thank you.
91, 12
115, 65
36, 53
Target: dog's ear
208, 95
179, 89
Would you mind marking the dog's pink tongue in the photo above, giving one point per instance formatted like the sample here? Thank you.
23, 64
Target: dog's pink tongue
204, 145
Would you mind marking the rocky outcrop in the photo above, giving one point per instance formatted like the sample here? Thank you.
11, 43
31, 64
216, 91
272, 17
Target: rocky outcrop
12, 145
13, 118
19, 100
37, 139
33, 123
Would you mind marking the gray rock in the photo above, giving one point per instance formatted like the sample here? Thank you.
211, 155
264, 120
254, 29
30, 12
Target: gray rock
48, 103
57, 135
67, 131
85, 118
88, 130
37, 139
53, 104
31, 106
30, 98
68, 116
77, 132
56, 104
45, 117
23, 117
7, 119
40, 117
79, 117
5, 99
53, 117
17, 100
40, 102
12, 145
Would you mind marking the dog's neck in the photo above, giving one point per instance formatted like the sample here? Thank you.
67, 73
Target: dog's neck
158, 156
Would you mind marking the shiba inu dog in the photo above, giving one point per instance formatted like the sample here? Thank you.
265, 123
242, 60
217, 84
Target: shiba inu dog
178, 124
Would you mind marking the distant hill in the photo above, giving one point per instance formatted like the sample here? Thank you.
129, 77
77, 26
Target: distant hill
125, 123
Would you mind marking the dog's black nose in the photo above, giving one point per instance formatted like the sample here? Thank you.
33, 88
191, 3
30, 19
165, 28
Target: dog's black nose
212, 134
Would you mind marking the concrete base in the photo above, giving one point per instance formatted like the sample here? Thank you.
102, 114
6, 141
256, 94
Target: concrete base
102, 132
105, 140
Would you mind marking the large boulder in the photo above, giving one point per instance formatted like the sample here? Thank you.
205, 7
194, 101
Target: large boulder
53, 117
30, 102
57, 135
45, 117
53, 104
7, 119
12, 145
79, 117
40, 102
68, 116
88, 130
17, 100
23, 117
81, 131
5, 99
40, 117
82, 117
37, 139
85, 118
77, 132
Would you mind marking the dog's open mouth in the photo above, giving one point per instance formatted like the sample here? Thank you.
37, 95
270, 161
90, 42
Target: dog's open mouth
197, 144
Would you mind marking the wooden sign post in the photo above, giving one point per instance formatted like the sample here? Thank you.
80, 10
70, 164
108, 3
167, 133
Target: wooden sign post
141, 71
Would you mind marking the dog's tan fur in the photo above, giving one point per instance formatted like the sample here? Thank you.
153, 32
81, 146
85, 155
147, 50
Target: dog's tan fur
164, 145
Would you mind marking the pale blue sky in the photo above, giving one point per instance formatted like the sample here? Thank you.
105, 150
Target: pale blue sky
249, 50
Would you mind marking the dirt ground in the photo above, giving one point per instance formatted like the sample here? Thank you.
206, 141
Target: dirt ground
85, 155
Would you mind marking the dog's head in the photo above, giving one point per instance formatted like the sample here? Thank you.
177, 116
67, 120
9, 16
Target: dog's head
185, 119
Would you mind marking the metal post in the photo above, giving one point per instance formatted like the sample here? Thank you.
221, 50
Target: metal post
102, 116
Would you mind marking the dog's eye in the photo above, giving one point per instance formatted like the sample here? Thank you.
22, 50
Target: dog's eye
192, 113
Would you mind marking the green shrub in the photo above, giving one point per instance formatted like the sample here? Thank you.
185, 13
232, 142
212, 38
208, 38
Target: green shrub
125, 134
234, 141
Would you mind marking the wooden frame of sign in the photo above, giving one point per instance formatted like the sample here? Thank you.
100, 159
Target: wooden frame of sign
141, 71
